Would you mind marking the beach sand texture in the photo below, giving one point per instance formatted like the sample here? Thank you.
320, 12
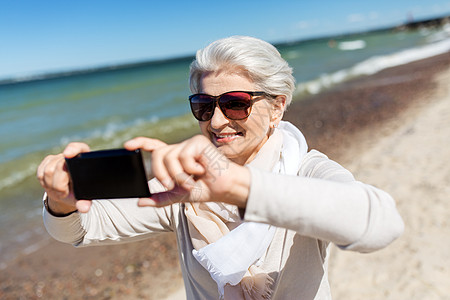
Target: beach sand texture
391, 129
413, 164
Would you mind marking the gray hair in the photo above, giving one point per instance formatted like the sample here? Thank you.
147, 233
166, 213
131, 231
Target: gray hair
260, 60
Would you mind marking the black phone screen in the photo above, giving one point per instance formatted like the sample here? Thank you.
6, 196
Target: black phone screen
108, 174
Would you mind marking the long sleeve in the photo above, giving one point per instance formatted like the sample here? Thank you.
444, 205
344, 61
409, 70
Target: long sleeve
110, 221
325, 202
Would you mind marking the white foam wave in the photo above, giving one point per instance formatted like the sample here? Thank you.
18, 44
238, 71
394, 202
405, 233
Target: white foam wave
352, 45
373, 65
109, 131
112, 134
18, 176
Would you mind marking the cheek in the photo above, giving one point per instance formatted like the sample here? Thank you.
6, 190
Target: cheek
259, 122
260, 128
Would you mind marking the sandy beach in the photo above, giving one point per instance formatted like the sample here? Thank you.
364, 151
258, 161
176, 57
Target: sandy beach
411, 161
390, 129
397, 141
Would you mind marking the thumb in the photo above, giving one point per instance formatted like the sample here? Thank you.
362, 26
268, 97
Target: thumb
83, 206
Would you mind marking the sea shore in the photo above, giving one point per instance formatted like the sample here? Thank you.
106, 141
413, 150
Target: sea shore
390, 129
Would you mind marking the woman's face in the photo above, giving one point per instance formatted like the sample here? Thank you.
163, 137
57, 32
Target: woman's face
239, 140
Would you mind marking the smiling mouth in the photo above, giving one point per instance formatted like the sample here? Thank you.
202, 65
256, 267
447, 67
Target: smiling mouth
226, 137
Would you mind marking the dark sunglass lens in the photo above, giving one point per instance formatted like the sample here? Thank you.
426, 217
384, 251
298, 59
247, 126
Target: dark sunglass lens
235, 105
202, 107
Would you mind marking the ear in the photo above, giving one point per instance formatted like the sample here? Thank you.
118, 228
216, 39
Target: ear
279, 105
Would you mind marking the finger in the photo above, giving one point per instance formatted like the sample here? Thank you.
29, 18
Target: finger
197, 155
83, 206
182, 165
142, 202
146, 144
61, 179
75, 148
176, 195
186, 181
159, 168
56, 181
189, 162
173, 165
41, 169
175, 168
157, 200
49, 171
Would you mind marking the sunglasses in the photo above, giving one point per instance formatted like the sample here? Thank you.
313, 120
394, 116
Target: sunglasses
235, 105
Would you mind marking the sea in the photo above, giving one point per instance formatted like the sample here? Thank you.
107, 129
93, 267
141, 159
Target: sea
40, 114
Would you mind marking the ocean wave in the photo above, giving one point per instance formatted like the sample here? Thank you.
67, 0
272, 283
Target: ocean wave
109, 131
352, 45
374, 65
18, 176
112, 135
18, 170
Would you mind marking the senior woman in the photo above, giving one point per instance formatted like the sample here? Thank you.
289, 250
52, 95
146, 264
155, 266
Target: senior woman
253, 211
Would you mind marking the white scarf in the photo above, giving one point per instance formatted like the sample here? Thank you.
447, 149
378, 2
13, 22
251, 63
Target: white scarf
232, 250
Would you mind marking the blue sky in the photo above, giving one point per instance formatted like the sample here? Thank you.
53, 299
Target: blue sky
48, 36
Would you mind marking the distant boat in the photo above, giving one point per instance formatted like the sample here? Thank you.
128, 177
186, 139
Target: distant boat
352, 45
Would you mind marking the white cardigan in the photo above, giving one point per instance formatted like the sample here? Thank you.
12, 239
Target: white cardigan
322, 204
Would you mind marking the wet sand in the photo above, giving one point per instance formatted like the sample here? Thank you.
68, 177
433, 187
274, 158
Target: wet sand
390, 129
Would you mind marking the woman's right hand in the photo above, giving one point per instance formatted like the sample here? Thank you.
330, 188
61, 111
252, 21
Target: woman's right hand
55, 179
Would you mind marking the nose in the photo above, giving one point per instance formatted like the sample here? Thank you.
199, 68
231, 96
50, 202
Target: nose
218, 119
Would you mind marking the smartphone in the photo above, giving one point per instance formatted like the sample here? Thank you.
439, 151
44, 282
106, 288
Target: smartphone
108, 174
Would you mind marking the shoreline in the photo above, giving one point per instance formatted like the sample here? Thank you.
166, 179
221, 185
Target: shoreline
345, 122
341, 117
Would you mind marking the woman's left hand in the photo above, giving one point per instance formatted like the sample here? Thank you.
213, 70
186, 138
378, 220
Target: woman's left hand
193, 171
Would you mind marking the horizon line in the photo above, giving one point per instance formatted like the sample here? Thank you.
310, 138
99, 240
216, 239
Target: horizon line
44, 75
